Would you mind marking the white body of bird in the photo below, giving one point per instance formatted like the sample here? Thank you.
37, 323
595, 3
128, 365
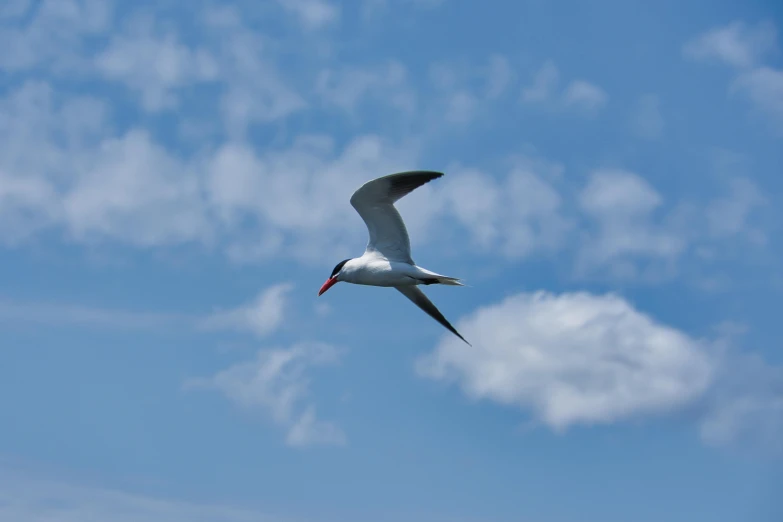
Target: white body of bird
375, 270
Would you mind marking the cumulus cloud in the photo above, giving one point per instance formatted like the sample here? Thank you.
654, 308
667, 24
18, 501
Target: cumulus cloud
64, 168
584, 95
573, 359
745, 409
544, 84
499, 76
517, 214
346, 88
744, 47
14, 8
276, 384
730, 215
763, 86
580, 359
578, 94
261, 317
736, 44
52, 34
301, 192
132, 189
464, 92
312, 14
621, 207
155, 63
254, 89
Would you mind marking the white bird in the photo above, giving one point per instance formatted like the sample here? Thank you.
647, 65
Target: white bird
387, 259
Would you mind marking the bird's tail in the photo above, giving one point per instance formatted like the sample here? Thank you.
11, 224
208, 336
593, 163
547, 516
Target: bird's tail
451, 281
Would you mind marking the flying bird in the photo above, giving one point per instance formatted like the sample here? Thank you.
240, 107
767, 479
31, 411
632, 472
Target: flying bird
387, 259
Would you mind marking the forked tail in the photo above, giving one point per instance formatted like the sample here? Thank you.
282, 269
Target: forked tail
452, 281
440, 280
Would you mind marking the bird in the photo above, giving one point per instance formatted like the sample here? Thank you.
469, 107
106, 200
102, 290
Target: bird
387, 260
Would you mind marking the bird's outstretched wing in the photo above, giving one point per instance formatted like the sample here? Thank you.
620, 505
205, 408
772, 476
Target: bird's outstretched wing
419, 299
374, 201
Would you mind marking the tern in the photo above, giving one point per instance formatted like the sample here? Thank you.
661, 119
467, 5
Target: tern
387, 259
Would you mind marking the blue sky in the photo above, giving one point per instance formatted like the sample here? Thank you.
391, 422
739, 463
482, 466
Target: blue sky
174, 184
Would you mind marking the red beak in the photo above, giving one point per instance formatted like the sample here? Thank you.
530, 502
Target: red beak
327, 285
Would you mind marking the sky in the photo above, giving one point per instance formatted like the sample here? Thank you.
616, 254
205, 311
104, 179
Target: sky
174, 186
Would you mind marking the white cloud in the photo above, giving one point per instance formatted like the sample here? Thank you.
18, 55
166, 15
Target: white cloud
579, 94
309, 431
26, 497
516, 215
18, 194
133, 190
743, 48
544, 84
730, 215
573, 359
464, 92
62, 167
621, 208
646, 119
736, 44
301, 192
746, 406
59, 168
346, 88
313, 13
763, 86
154, 64
584, 95
499, 76
262, 316
581, 359
14, 8
67, 314
54, 35
428, 3
253, 88
275, 383
460, 107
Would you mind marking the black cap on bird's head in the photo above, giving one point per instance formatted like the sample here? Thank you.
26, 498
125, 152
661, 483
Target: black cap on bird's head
333, 278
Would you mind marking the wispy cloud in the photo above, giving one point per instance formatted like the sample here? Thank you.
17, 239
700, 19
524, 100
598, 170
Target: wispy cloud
261, 317
155, 63
621, 208
577, 95
313, 14
744, 48
736, 44
346, 88
275, 383
584, 95
51, 34
731, 214
60, 314
26, 497
745, 409
763, 86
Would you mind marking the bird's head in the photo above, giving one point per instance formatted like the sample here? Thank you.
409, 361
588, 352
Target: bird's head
334, 278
